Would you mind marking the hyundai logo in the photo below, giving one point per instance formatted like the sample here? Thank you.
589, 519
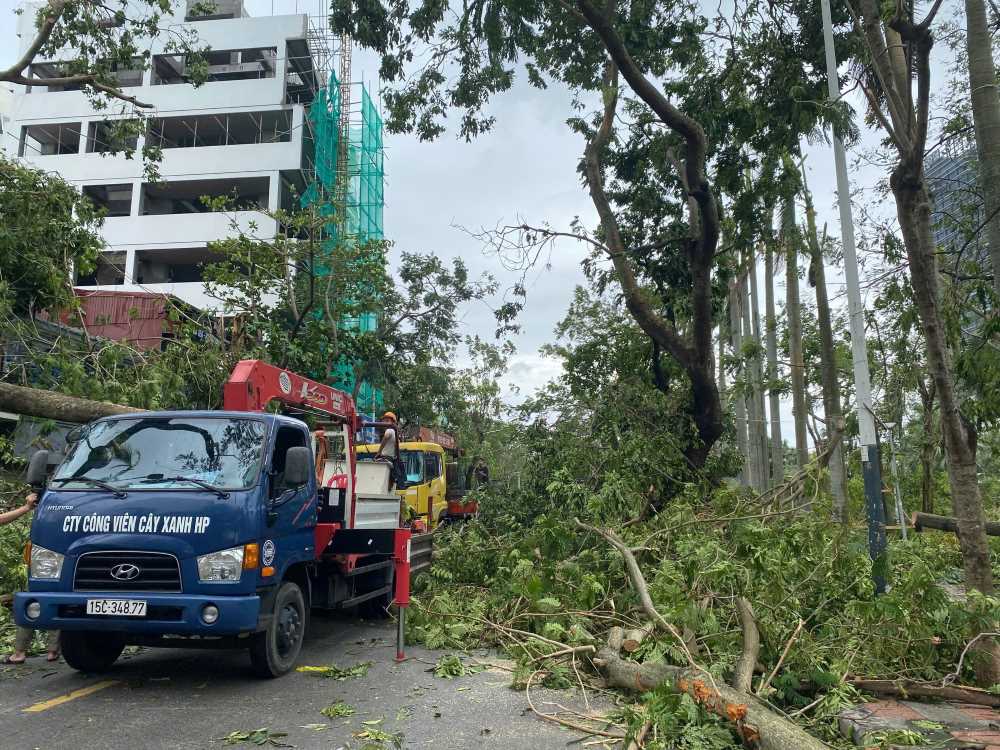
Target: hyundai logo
125, 572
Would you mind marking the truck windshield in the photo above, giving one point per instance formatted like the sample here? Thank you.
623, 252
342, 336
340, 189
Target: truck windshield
413, 461
159, 453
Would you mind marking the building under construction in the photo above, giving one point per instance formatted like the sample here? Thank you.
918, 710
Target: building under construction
271, 120
348, 176
272, 124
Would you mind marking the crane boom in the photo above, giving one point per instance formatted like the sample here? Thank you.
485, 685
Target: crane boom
254, 384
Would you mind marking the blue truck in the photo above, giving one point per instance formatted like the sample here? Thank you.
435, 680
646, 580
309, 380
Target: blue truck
217, 529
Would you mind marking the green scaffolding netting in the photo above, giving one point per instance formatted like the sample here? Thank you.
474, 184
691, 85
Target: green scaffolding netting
358, 220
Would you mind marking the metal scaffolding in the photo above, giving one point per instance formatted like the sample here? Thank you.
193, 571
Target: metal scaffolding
347, 183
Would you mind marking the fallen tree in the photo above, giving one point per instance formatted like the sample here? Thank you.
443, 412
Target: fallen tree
36, 402
922, 521
910, 689
757, 725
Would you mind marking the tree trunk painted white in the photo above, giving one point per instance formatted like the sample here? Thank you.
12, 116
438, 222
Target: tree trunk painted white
793, 312
760, 431
757, 480
831, 384
774, 398
739, 405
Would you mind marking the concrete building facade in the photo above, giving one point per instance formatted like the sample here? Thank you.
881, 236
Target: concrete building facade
242, 134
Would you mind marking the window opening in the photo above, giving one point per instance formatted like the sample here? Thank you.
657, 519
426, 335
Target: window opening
223, 65
228, 129
116, 200
51, 139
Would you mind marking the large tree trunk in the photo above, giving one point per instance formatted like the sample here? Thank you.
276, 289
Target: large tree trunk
695, 351
792, 310
828, 365
986, 116
722, 361
760, 426
771, 332
739, 404
35, 402
928, 445
757, 481
914, 211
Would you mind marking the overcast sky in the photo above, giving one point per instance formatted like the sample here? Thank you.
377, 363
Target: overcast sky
524, 169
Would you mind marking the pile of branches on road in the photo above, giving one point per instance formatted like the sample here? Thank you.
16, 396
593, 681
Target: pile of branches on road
723, 623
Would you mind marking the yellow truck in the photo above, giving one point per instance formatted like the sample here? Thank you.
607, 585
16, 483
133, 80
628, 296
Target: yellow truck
425, 459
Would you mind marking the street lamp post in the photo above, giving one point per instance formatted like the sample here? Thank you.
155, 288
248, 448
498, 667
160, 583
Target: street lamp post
859, 351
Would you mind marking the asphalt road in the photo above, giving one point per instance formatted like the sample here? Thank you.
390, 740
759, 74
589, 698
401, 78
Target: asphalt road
169, 698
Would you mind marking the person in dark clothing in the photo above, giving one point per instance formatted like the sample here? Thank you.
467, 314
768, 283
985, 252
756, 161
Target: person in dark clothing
481, 473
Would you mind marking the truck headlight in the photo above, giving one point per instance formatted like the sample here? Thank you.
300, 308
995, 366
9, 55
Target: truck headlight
45, 563
224, 566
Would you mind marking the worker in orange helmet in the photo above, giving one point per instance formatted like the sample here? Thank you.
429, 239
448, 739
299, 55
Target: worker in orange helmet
388, 450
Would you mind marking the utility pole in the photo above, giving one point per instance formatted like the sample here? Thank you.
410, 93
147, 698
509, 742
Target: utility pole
859, 350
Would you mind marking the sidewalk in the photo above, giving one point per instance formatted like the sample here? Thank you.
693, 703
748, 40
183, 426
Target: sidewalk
944, 725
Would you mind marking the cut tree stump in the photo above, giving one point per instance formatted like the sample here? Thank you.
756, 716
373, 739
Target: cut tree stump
634, 638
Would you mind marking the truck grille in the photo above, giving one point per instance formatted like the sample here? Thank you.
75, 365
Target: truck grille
157, 571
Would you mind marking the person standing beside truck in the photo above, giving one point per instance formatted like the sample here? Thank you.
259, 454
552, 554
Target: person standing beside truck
24, 636
389, 450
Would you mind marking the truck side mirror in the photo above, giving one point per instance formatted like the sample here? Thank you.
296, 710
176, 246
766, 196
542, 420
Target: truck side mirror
38, 469
298, 466
75, 435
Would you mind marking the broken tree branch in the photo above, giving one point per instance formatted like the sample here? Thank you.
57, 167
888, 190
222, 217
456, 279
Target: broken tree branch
639, 584
788, 647
566, 652
743, 673
636, 743
757, 724
564, 722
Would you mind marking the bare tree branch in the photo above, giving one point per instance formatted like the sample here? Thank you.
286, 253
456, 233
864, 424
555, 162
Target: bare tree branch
55, 8
84, 79
743, 672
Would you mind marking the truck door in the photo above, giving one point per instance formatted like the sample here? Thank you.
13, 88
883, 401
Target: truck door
292, 511
434, 478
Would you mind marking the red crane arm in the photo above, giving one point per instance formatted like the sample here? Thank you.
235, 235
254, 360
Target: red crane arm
253, 384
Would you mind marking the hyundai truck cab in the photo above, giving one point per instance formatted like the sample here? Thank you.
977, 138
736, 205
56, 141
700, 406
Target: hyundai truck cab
163, 525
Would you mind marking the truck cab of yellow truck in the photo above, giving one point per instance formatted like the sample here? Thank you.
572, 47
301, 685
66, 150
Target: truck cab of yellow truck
425, 462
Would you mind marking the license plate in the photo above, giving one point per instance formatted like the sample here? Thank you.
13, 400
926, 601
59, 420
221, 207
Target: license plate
116, 607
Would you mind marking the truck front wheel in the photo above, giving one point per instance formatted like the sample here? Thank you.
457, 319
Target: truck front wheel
88, 651
274, 651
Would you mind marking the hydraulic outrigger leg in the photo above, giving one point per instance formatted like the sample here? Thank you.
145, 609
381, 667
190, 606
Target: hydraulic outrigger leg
401, 595
400, 627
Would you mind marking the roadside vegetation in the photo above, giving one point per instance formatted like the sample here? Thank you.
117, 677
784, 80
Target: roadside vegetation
538, 574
